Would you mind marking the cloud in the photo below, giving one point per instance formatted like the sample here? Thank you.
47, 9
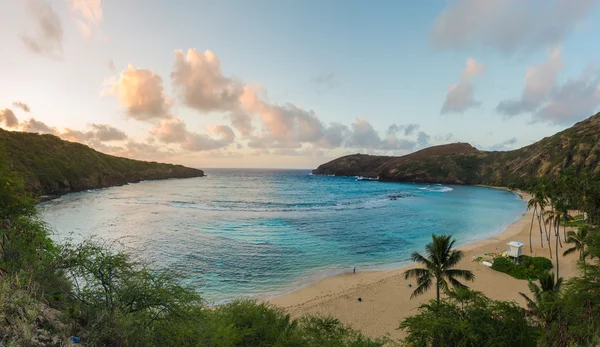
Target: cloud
508, 25
460, 95
408, 129
503, 146
174, 131
539, 80
111, 66
363, 135
573, 101
98, 132
327, 80
242, 122
22, 106
87, 15
47, 39
34, 126
199, 82
8, 118
141, 93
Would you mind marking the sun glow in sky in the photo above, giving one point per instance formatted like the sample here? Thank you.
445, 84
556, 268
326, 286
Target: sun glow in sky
294, 84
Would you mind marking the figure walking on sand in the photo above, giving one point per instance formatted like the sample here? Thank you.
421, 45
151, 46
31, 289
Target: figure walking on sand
354, 271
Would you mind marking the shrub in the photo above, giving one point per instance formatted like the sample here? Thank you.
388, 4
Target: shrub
526, 268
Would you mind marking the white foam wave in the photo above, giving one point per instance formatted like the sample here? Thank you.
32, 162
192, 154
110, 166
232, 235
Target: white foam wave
438, 188
362, 178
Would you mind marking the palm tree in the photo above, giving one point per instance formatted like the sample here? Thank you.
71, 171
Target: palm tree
578, 240
553, 218
537, 201
439, 262
542, 295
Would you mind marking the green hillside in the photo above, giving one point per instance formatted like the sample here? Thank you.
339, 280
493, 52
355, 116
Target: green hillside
51, 166
460, 163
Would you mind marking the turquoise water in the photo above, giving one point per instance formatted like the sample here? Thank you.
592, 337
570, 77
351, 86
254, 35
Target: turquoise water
239, 233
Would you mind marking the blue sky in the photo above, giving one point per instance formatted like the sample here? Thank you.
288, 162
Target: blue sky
294, 84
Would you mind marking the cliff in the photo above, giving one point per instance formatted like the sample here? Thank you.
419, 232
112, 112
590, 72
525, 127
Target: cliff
51, 166
461, 163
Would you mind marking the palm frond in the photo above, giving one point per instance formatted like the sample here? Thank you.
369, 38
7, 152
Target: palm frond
422, 288
466, 274
419, 274
569, 251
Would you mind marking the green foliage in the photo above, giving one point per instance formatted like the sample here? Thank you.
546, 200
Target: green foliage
467, 318
527, 267
51, 166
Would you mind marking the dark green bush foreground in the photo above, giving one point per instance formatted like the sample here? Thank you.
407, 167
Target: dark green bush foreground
527, 267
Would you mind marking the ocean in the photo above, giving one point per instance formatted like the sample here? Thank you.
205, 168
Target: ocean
247, 233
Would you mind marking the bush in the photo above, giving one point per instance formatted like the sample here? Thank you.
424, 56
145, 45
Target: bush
526, 268
467, 318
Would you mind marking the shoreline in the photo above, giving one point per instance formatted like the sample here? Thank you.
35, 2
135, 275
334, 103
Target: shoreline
304, 281
386, 296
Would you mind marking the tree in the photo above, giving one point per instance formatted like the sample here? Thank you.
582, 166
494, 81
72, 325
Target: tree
578, 239
553, 218
439, 262
468, 318
537, 201
542, 305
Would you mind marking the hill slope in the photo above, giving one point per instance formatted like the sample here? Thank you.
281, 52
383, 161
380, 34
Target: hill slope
51, 166
461, 163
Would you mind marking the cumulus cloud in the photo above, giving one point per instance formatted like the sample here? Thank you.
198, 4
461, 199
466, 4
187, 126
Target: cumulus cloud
200, 84
98, 132
87, 15
198, 79
8, 118
174, 131
22, 106
408, 129
503, 146
34, 126
508, 25
47, 37
573, 101
141, 93
460, 95
539, 80
242, 122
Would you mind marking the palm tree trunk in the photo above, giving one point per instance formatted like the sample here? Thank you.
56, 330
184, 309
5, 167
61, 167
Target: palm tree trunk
437, 292
547, 238
558, 232
557, 235
541, 237
530, 229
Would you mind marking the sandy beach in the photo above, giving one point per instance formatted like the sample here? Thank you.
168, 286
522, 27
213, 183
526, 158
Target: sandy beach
386, 295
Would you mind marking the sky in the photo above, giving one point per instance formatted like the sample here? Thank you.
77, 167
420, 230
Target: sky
293, 84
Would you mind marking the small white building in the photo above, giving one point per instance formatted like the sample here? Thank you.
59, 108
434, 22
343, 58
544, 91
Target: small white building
515, 249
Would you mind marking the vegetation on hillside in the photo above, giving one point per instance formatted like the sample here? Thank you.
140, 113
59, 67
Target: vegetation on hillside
577, 147
52, 166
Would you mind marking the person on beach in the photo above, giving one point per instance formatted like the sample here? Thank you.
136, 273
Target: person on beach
354, 271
